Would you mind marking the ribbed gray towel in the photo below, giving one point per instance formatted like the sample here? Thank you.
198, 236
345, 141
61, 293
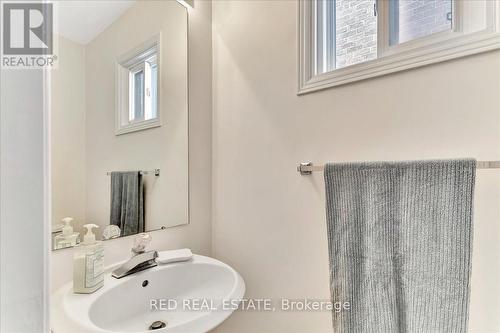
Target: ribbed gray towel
400, 244
127, 202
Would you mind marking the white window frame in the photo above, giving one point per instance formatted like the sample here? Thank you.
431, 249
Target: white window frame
129, 62
427, 50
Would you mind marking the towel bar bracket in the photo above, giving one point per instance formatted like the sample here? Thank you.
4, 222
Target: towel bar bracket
303, 168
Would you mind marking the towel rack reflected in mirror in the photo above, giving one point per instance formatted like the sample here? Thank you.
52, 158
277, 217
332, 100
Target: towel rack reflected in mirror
308, 168
155, 172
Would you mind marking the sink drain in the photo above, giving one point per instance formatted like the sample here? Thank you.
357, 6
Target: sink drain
157, 325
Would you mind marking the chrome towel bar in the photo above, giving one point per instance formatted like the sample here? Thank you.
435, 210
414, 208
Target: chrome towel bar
155, 172
308, 168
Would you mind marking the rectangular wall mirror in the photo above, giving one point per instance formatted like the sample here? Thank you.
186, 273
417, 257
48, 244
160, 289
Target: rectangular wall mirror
118, 119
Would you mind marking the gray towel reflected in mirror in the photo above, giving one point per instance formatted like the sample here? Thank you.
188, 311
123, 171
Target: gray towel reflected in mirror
127, 202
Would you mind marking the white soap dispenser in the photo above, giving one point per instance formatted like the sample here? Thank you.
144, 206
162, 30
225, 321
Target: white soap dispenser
68, 237
88, 265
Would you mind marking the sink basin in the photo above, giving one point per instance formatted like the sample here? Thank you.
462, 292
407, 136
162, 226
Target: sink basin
192, 296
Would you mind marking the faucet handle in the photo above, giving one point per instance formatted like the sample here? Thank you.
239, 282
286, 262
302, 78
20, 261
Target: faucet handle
141, 241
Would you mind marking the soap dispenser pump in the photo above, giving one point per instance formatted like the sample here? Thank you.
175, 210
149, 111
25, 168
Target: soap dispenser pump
68, 237
89, 237
88, 265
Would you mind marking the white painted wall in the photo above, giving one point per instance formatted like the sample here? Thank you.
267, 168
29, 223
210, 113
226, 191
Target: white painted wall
268, 221
197, 234
67, 133
23, 238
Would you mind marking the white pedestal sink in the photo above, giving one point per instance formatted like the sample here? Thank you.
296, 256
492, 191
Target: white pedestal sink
189, 297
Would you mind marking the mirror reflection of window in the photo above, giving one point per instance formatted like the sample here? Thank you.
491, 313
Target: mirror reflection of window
143, 83
137, 93
138, 84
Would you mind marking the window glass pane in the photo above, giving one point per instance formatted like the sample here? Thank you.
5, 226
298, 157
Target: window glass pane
356, 32
138, 96
411, 19
154, 85
151, 83
346, 33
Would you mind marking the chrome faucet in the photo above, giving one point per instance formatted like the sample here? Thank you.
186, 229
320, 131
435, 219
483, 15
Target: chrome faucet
136, 264
140, 260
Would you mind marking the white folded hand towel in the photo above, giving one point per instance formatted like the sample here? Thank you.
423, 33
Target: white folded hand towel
167, 257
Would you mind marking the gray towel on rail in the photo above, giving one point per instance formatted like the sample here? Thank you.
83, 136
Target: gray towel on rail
127, 202
400, 242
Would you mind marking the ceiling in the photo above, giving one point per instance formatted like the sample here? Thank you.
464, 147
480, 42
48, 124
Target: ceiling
81, 21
